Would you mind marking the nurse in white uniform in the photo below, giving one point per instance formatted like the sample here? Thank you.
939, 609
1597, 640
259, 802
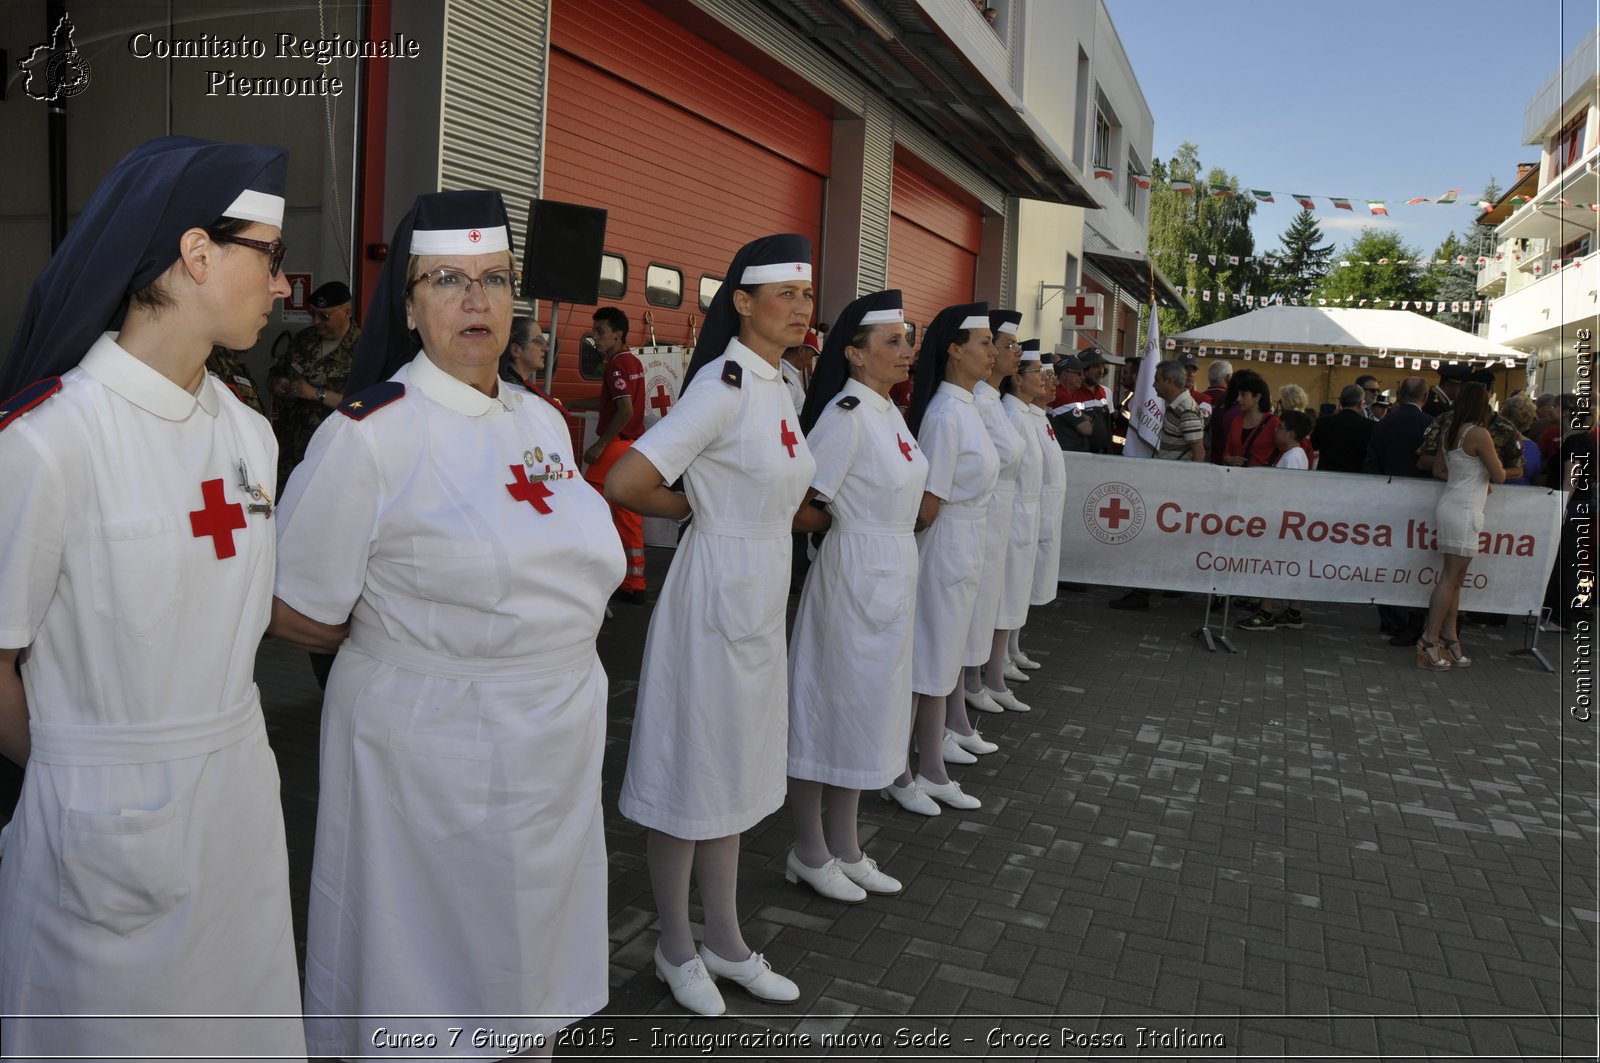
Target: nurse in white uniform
1022, 552
850, 659
985, 685
709, 748
957, 352
460, 864
1052, 500
145, 870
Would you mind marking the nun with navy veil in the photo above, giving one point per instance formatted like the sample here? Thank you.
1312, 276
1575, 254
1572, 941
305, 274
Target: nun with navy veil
435, 536
145, 869
708, 753
850, 658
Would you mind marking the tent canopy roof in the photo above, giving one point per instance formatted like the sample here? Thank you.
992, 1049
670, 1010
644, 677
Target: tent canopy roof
1346, 328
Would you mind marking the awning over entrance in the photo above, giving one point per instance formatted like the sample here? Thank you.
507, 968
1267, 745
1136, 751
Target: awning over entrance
1133, 272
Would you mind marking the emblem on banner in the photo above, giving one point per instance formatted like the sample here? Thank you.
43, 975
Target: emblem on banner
1114, 513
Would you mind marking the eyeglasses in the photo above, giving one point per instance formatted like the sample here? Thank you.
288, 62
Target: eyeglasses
537, 341
499, 283
1011, 346
274, 251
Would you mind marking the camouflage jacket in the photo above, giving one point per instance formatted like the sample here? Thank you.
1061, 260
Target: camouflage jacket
296, 419
228, 367
1507, 443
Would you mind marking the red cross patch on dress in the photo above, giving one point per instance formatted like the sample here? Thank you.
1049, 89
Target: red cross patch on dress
218, 518
533, 493
787, 438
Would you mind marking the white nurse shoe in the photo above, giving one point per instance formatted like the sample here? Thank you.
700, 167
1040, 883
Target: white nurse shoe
982, 700
1007, 700
829, 880
755, 974
972, 743
911, 798
691, 985
949, 793
1022, 660
1015, 674
865, 873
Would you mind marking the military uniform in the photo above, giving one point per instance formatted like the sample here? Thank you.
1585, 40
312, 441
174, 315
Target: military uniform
1507, 442
296, 419
228, 367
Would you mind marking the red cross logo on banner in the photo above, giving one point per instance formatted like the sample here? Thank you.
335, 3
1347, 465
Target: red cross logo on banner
474, 236
905, 448
1114, 512
787, 438
661, 400
219, 519
532, 493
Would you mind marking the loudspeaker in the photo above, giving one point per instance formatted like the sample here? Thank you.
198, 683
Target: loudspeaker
563, 249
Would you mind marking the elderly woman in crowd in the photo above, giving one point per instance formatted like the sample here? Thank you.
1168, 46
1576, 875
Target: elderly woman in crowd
1293, 397
708, 755
524, 359
850, 660
460, 865
1519, 410
957, 352
145, 870
985, 681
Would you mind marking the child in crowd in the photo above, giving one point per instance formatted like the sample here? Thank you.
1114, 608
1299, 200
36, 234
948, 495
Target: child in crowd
1293, 426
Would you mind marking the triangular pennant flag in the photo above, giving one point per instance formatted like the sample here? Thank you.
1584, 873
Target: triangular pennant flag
1376, 206
1263, 196
1341, 204
1211, 259
1233, 260
1484, 204
1194, 256
1448, 197
1304, 201
1419, 199
1383, 262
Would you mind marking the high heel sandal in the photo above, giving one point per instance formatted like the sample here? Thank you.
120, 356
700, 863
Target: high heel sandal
1428, 657
1457, 658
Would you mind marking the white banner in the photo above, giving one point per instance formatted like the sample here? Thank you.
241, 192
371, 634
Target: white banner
1314, 536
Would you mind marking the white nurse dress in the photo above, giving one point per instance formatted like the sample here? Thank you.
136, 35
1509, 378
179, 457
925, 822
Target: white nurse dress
1052, 502
850, 658
709, 748
145, 871
1008, 447
1022, 546
460, 864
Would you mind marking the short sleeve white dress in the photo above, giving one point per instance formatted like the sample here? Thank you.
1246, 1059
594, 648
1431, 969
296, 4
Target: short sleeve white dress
709, 748
850, 658
1022, 547
1052, 503
1008, 447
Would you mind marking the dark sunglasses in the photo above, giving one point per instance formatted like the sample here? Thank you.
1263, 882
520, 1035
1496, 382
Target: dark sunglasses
274, 251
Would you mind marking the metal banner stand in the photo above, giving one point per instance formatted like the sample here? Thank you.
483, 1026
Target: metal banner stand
1204, 633
1530, 634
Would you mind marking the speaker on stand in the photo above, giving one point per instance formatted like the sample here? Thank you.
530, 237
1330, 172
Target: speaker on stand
561, 260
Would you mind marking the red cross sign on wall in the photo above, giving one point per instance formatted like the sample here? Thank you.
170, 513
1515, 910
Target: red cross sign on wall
1082, 311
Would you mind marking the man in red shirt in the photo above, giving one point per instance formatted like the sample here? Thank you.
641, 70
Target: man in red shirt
621, 422
1081, 408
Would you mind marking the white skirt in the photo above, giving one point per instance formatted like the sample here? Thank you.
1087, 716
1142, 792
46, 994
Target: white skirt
949, 566
996, 546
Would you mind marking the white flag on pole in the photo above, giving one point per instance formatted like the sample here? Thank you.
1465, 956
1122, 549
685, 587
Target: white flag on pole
1147, 409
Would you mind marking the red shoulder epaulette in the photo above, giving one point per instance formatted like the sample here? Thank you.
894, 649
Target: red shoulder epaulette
368, 402
551, 399
27, 399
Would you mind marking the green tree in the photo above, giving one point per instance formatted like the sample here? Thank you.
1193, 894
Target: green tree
1302, 260
1375, 268
1457, 282
1206, 226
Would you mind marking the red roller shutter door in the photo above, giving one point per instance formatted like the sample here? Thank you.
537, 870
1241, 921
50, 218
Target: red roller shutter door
934, 236
689, 168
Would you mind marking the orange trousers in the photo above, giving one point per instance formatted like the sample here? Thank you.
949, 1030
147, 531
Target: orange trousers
630, 526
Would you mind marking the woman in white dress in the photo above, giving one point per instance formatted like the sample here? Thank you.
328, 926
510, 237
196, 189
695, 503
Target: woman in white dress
460, 864
985, 680
1468, 463
708, 754
1022, 552
145, 870
850, 658
1052, 500
957, 352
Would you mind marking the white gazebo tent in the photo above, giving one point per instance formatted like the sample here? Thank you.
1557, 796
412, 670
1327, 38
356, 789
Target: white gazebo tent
1323, 349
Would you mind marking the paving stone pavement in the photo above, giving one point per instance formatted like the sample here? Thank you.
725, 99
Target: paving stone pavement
1308, 849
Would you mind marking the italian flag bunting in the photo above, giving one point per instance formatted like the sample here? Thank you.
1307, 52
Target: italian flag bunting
1142, 180
1304, 201
1341, 204
1103, 174
1185, 187
1415, 200
1221, 190
1377, 207
1263, 196
1448, 197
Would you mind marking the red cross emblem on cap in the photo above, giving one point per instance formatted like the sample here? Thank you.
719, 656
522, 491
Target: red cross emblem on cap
474, 236
798, 268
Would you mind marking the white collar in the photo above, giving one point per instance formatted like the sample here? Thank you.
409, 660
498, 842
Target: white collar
454, 394
112, 365
751, 360
955, 391
852, 386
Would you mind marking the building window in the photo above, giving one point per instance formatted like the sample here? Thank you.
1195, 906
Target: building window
1130, 195
1578, 248
613, 276
1567, 146
1102, 141
708, 291
663, 285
